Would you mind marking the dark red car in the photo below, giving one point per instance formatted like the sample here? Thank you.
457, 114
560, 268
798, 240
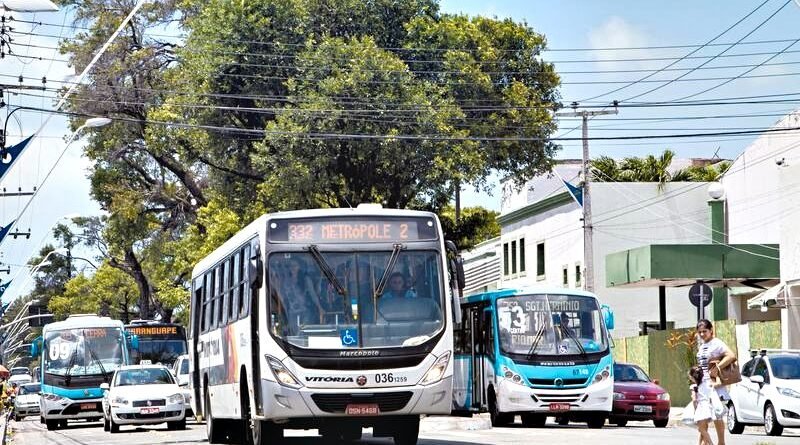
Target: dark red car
637, 397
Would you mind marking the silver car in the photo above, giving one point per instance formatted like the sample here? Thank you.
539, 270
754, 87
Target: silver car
26, 403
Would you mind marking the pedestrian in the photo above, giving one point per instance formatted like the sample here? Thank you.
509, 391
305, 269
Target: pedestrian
712, 348
702, 394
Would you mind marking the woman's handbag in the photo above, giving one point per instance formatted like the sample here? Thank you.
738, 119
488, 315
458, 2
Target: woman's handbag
727, 375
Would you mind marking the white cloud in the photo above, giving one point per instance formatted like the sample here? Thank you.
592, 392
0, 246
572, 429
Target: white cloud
618, 33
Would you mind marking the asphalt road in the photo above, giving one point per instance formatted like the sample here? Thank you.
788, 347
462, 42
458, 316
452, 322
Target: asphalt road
435, 431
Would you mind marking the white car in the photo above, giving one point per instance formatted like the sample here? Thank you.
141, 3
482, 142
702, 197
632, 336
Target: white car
181, 372
769, 393
143, 395
20, 379
26, 403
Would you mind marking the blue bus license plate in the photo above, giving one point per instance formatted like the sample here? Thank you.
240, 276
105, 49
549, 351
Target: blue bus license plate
558, 407
365, 409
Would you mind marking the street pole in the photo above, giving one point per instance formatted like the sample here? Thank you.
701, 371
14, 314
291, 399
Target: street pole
588, 252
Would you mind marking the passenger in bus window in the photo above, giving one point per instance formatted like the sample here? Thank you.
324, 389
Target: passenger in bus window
300, 297
398, 287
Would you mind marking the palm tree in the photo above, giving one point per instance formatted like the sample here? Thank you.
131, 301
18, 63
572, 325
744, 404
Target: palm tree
634, 169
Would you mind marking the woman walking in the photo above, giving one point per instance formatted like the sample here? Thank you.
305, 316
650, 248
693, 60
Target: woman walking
713, 348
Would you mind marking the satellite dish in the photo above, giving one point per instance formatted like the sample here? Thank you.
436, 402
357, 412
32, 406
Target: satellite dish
28, 5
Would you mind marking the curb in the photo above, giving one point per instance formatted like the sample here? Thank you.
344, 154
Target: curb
432, 424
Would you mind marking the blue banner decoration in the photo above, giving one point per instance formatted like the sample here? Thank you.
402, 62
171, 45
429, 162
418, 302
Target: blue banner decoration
576, 192
4, 232
12, 153
3, 287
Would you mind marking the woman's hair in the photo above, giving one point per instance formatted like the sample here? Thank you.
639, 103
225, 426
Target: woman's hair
704, 323
397, 274
696, 374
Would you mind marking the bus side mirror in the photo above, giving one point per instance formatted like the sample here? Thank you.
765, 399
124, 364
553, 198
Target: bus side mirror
255, 267
608, 317
460, 277
133, 339
37, 346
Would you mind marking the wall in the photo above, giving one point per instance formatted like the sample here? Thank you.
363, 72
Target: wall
790, 250
678, 214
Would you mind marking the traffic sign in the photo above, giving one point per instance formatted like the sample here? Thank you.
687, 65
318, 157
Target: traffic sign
700, 292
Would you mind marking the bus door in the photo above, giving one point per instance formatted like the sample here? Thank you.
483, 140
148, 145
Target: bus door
479, 356
194, 334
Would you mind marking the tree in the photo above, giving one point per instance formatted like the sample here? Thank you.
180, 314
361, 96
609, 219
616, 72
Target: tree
109, 292
652, 169
475, 226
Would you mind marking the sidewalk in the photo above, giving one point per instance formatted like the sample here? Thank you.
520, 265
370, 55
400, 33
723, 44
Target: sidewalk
3, 428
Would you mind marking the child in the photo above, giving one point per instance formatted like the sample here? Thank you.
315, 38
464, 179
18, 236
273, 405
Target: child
701, 398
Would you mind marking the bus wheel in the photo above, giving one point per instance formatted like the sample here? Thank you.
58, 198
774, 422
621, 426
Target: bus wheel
596, 421
408, 432
533, 420
496, 417
213, 430
51, 424
113, 426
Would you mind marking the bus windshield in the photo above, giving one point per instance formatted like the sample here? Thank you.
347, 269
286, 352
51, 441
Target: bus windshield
540, 324
83, 351
335, 299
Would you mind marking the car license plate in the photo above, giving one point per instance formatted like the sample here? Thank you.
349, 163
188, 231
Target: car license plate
88, 406
558, 407
642, 409
365, 409
152, 410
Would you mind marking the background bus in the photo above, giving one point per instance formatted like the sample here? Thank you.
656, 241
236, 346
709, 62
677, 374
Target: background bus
76, 356
336, 352
158, 342
534, 353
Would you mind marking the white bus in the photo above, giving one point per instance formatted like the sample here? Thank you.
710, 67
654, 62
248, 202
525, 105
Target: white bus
329, 319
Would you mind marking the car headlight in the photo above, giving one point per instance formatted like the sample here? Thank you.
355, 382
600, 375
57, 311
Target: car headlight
175, 398
437, 370
512, 376
602, 375
282, 375
663, 396
619, 396
119, 400
788, 392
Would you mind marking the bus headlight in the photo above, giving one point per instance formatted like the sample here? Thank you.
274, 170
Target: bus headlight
282, 375
512, 376
54, 398
437, 370
602, 375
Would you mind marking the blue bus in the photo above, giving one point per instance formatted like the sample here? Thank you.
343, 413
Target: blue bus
77, 355
534, 352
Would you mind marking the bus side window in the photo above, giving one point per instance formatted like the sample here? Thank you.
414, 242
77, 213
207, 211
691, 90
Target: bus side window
221, 278
230, 306
488, 330
208, 302
236, 287
196, 305
245, 287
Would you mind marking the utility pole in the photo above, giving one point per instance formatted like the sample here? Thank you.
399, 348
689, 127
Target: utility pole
588, 253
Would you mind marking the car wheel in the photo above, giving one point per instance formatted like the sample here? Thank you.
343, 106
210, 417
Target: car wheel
113, 426
177, 425
661, 423
563, 420
771, 425
620, 422
734, 426
17, 417
596, 421
105, 425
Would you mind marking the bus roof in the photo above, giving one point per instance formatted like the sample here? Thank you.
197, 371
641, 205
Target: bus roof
83, 321
527, 290
259, 226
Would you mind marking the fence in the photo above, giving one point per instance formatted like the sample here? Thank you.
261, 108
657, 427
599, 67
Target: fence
667, 355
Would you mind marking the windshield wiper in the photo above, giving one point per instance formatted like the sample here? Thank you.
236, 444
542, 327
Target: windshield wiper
326, 269
70, 364
532, 350
99, 363
389, 267
575, 339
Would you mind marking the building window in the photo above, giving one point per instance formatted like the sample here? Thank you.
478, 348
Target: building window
505, 259
514, 258
540, 266
565, 276
578, 275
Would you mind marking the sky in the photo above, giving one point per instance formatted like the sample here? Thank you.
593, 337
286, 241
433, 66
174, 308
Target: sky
581, 36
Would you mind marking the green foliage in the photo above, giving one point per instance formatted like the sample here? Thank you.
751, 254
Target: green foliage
653, 169
109, 291
475, 225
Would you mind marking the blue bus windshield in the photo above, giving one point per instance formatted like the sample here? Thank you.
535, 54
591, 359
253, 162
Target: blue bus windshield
83, 351
540, 324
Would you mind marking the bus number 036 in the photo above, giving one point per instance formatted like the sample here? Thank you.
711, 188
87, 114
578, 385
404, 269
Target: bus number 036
389, 378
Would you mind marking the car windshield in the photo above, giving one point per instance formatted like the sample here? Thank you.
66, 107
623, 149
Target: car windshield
786, 367
144, 376
629, 373
184, 367
327, 300
89, 351
549, 324
32, 388
19, 371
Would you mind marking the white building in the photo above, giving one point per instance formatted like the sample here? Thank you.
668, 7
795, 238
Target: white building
542, 238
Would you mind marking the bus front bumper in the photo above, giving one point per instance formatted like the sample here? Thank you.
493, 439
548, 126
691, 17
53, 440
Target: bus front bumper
515, 398
288, 403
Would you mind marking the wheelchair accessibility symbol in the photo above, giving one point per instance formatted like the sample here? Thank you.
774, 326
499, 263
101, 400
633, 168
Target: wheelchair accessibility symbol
349, 337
